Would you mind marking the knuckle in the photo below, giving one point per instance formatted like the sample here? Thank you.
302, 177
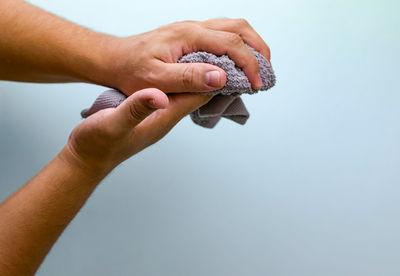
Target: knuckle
251, 64
242, 22
188, 22
268, 51
206, 23
185, 27
136, 110
249, 61
234, 39
188, 77
151, 76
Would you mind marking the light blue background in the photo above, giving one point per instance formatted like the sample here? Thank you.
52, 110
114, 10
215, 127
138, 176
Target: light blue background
309, 186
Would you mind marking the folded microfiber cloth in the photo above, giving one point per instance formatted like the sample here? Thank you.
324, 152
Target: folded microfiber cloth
226, 103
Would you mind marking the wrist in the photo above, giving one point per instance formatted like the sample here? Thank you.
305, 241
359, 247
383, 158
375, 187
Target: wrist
101, 59
118, 65
90, 170
108, 61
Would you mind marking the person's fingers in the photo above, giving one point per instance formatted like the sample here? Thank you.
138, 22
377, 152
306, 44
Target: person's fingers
160, 122
232, 44
183, 104
136, 108
242, 28
190, 77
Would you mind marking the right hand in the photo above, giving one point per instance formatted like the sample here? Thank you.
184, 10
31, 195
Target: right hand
111, 135
149, 59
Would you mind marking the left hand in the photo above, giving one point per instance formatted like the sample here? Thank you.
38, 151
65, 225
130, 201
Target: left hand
110, 136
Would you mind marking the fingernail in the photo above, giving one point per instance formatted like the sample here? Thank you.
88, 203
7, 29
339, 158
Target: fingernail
259, 83
213, 79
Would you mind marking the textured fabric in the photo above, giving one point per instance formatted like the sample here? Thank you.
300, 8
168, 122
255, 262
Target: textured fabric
226, 104
107, 99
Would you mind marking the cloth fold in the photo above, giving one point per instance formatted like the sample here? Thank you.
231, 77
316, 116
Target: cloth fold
226, 101
227, 106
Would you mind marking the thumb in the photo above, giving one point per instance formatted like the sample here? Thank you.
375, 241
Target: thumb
137, 107
192, 77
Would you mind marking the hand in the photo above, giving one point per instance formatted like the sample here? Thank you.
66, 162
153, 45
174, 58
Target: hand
37, 46
149, 59
110, 136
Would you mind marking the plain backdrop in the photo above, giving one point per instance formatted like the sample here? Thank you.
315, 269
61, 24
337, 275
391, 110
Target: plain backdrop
309, 186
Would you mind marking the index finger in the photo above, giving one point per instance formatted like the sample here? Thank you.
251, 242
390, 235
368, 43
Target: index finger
243, 28
220, 43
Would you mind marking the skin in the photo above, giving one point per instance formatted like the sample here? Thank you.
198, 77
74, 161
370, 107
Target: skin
37, 46
34, 217
128, 64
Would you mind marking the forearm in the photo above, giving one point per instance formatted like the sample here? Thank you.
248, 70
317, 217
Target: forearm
33, 218
37, 46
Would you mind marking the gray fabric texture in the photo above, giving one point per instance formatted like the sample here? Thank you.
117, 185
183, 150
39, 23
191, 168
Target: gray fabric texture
226, 101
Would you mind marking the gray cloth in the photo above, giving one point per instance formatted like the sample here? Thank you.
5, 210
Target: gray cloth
226, 103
